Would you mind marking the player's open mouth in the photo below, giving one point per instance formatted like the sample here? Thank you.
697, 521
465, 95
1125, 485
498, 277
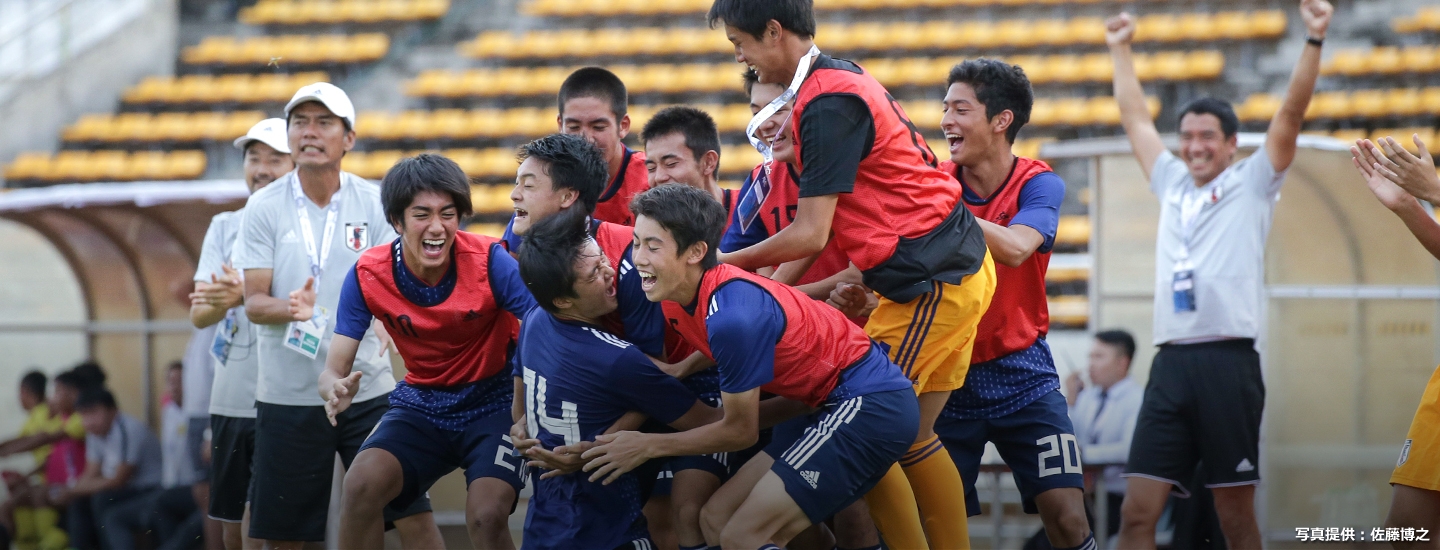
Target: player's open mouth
647, 281
311, 149
521, 213
955, 140
432, 247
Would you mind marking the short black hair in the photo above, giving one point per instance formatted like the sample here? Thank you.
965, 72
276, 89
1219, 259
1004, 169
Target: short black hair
423, 172
572, 163
547, 261
95, 397
89, 374
697, 126
689, 214
1229, 123
999, 86
598, 83
34, 382
750, 77
751, 16
70, 379
1120, 339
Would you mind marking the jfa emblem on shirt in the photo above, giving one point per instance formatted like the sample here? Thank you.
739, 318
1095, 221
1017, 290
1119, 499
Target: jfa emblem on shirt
355, 235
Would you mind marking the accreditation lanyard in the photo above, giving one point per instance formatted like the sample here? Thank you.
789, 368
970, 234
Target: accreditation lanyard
801, 71
332, 212
1182, 285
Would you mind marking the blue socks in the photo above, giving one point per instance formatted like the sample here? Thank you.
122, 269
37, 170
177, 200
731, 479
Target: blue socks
1087, 544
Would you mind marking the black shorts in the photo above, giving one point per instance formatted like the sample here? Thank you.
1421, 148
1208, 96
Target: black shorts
1202, 408
232, 453
295, 450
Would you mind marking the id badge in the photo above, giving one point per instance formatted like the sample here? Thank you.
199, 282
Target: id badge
304, 336
1183, 290
224, 339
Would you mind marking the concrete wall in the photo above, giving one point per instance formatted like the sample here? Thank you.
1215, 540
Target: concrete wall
91, 81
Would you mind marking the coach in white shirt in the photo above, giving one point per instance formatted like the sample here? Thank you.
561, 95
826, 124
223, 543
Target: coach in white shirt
299, 237
1104, 413
219, 301
1205, 396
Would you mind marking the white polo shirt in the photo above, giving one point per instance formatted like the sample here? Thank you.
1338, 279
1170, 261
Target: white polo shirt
270, 239
1226, 244
233, 391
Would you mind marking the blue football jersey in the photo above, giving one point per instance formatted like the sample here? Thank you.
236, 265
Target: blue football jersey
579, 380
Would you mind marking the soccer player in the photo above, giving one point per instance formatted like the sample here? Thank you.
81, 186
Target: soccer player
299, 237
219, 298
1011, 395
868, 413
682, 145
451, 300
1209, 292
593, 105
1397, 178
579, 380
866, 174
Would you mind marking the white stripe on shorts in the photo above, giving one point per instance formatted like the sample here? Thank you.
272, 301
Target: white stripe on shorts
817, 436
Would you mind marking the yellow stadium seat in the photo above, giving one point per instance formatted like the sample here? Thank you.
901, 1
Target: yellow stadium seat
1073, 230
1099, 67
1069, 311
1197, 27
1258, 107
1329, 105
1403, 102
1265, 24
1204, 65
1052, 32
1065, 69
1043, 113
1385, 60
88, 128
1347, 62
1162, 27
1015, 33
1430, 100
1086, 31
1169, 65
1103, 111
1145, 69
447, 124
1072, 111
27, 166
1420, 59
1368, 103
144, 165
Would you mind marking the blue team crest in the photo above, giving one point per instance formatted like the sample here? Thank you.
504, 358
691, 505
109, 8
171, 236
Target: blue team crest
356, 235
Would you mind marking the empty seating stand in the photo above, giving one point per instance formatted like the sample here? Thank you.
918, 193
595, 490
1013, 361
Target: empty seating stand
941, 35
233, 89
88, 166
331, 12
287, 50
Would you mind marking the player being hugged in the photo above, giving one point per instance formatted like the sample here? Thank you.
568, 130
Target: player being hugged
578, 382
450, 300
764, 336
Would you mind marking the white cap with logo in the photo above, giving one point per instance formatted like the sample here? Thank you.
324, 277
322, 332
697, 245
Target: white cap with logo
270, 131
329, 95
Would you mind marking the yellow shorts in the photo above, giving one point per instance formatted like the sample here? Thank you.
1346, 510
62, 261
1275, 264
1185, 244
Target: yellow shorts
1419, 464
931, 337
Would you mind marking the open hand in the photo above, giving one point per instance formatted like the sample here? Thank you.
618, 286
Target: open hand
1364, 154
341, 393
615, 455
1415, 174
302, 302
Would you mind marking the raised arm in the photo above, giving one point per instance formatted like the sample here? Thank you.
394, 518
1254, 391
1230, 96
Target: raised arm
1285, 126
1134, 113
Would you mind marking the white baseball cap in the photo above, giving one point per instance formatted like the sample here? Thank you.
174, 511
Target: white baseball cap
270, 131
329, 95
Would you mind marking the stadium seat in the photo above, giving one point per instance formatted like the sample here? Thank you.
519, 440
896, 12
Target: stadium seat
1426, 19
1329, 105
311, 12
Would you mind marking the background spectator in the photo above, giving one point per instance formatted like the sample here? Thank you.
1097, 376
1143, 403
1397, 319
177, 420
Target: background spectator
1104, 414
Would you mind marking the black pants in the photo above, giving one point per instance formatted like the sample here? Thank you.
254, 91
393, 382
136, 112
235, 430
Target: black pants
83, 515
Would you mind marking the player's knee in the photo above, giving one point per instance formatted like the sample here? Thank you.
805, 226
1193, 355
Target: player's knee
712, 521
1072, 522
363, 491
488, 519
1135, 515
687, 512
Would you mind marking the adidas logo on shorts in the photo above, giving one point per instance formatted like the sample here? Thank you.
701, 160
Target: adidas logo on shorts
1245, 466
812, 477
1404, 453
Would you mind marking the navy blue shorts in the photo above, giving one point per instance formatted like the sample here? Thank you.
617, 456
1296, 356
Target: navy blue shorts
1037, 442
844, 450
717, 464
428, 452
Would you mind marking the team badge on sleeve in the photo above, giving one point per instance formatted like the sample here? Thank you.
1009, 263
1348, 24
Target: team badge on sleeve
356, 235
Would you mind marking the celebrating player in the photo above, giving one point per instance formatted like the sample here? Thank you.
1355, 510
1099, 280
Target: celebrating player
867, 409
867, 174
593, 105
219, 298
1209, 290
1397, 177
682, 145
451, 300
300, 236
578, 381
1011, 395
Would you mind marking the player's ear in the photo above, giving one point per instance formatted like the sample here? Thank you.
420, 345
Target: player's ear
568, 198
696, 253
772, 30
563, 303
710, 163
349, 140
624, 126
560, 123
1001, 123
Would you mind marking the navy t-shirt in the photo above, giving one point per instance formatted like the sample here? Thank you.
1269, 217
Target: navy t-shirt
579, 380
744, 324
